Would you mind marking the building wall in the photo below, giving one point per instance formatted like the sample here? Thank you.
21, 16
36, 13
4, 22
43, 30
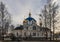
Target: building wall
17, 33
30, 28
27, 33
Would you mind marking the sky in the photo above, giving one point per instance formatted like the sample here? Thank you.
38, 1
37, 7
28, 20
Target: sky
19, 9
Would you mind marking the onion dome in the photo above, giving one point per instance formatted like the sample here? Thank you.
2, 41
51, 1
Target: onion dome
30, 18
24, 21
40, 24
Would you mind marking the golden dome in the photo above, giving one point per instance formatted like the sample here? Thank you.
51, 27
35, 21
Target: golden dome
24, 21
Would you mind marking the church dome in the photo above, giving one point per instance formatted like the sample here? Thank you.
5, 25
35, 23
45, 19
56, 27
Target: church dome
24, 21
30, 18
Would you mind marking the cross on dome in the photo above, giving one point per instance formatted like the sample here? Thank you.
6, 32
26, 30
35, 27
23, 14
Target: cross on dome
29, 14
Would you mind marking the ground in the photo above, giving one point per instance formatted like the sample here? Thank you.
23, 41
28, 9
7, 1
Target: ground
29, 41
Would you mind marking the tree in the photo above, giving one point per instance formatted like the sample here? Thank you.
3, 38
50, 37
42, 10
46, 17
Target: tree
44, 12
50, 12
5, 19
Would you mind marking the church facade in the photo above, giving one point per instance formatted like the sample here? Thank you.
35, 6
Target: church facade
31, 29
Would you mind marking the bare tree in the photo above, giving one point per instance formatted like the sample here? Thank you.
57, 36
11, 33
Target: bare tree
50, 12
5, 19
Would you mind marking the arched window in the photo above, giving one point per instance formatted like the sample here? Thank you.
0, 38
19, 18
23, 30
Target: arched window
27, 28
34, 27
25, 34
38, 34
34, 34
32, 22
17, 33
29, 23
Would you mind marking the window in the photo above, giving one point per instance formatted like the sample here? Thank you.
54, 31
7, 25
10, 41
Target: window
33, 22
38, 34
40, 29
17, 33
34, 34
27, 28
34, 27
25, 34
29, 23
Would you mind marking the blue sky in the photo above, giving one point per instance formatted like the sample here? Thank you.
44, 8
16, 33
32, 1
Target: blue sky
19, 9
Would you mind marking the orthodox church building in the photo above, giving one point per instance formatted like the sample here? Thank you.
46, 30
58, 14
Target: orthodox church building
31, 29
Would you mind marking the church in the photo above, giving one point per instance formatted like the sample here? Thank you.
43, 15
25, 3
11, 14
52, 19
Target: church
31, 29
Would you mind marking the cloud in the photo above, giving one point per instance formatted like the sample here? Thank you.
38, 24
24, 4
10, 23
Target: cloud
20, 8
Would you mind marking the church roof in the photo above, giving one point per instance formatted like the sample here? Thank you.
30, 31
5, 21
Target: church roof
19, 28
30, 18
44, 29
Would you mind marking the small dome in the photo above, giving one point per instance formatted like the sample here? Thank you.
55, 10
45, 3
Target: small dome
24, 21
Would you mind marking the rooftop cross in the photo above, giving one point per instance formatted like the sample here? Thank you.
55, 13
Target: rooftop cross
29, 13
